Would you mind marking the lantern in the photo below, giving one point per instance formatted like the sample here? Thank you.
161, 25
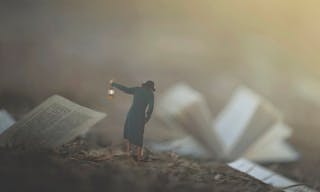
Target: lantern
111, 93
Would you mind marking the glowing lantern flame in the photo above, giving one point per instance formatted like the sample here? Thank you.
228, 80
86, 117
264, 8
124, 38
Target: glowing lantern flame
111, 93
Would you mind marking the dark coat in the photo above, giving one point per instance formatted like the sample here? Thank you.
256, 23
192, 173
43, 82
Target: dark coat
137, 115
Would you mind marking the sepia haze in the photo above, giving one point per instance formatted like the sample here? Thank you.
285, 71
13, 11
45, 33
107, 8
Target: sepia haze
74, 48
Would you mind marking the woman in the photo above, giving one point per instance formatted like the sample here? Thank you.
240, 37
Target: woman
137, 116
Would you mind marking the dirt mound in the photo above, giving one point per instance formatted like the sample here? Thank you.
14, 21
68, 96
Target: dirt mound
77, 167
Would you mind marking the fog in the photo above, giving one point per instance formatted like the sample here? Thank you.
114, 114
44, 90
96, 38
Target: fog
73, 48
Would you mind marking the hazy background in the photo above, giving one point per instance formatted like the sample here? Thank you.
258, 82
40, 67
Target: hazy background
73, 48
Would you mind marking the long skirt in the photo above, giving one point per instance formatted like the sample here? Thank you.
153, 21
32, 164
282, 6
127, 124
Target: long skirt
134, 127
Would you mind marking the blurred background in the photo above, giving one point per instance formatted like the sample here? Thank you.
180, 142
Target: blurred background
73, 48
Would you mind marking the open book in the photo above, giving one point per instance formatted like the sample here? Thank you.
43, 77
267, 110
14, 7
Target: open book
249, 126
51, 124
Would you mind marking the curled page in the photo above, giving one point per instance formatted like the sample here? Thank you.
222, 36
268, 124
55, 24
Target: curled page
51, 124
242, 122
184, 108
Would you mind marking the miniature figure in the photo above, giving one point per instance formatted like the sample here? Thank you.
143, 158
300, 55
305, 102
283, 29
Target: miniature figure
138, 114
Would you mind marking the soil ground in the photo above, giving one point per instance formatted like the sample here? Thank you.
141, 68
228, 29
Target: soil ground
77, 167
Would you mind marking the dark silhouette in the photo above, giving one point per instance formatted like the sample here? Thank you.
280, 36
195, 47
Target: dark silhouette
137, 116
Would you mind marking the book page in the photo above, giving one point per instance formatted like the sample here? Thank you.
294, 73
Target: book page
269, 177
243, 121
184, 108
234, 118
6, 120
53, 123
272, 146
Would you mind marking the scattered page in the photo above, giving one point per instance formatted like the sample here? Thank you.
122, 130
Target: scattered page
53, 123
6, 120
269, 177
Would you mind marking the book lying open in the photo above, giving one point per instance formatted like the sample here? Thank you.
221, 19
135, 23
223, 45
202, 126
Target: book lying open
249, 126
51, 124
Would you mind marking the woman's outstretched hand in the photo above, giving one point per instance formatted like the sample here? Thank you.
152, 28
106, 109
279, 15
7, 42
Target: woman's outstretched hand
111, 81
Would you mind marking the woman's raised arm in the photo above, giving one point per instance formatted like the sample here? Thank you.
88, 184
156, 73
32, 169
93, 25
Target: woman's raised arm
128, 90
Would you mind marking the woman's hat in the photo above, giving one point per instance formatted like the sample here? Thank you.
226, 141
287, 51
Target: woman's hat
149, 84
